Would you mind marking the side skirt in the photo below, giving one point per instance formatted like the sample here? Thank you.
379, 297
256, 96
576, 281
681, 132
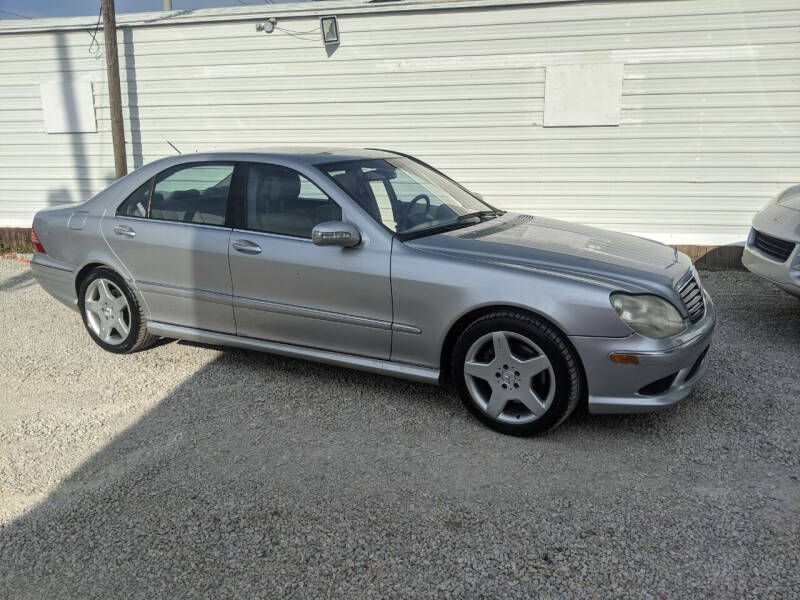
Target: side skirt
372, 365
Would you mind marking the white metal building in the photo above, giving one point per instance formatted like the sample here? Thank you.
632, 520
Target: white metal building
674, 119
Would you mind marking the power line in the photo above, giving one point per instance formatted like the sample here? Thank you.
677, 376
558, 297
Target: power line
8, 12
94, 35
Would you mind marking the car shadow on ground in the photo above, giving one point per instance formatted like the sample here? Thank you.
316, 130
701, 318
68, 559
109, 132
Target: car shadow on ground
273, 477
236, 450
17, 282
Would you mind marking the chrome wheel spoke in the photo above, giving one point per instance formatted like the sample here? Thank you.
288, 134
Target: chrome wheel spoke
102, 288
121, 327
502, 351
93, 306
483, 371
533, 366
496, 405
120, 303
533, 403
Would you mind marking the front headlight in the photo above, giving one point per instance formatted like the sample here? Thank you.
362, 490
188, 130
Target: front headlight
652, 316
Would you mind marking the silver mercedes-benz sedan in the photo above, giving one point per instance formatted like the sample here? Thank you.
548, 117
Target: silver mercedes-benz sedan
773, 246
375, 260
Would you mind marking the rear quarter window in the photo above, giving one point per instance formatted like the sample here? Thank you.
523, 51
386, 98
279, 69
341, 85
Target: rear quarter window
135, 205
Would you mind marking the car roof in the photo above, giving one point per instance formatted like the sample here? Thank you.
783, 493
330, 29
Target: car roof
297, 155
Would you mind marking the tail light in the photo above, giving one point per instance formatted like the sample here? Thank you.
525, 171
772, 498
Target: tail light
37, 243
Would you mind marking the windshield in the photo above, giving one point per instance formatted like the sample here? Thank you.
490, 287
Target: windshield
407, 197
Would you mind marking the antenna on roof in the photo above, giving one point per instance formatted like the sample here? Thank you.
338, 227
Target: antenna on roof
174, 147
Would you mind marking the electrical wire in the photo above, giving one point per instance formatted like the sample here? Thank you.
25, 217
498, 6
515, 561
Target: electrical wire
8, 12
94, 35
297, 32
316, 30
299, 36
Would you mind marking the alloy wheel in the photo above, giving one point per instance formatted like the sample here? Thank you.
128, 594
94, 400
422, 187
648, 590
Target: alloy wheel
509, 377
108, 313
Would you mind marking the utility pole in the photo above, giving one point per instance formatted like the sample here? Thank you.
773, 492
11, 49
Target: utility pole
114, 94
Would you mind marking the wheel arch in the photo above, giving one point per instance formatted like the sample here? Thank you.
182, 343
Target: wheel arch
460, 325
81, 273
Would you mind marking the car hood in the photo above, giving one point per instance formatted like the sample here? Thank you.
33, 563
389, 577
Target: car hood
781, 219
518, 240
790, 198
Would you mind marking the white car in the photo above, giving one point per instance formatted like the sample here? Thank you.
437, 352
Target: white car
772, 246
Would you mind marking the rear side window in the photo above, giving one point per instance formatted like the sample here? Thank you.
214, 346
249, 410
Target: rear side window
192, 194
135, 205
280, 200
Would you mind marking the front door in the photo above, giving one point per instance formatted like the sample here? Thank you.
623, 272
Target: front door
286, 289
171, 234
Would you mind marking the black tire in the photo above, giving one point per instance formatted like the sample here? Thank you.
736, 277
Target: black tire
563, 360
137, 338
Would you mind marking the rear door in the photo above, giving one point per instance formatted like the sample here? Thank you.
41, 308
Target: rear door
287, 289
172, 234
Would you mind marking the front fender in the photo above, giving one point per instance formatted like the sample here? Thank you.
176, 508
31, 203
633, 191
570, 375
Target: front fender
431, 292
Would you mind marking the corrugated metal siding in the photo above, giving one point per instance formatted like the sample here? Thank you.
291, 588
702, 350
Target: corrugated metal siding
710, 125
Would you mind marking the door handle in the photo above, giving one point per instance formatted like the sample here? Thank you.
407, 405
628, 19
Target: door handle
124, 231
246, 247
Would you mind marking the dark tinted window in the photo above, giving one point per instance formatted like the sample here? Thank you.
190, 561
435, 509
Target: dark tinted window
135, 205
193, 194
280, 200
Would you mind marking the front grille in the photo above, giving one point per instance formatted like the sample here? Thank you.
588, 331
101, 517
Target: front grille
775, 248
692, 297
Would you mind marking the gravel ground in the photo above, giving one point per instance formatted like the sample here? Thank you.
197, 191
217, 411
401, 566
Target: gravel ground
187, 470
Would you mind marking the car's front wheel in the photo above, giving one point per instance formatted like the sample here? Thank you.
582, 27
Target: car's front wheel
516, 373
111, 313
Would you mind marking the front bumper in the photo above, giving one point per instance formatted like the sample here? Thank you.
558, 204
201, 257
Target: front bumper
676, 364
785, 275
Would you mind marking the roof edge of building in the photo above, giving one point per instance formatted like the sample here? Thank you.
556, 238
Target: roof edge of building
289, 10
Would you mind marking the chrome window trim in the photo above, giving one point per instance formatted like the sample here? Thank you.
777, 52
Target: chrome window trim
273, 235
176, 222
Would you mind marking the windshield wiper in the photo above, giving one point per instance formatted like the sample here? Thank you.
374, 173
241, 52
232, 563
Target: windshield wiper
480, 213
457, 224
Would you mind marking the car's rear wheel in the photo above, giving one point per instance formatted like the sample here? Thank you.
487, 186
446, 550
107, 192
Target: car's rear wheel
111, 313
516, 373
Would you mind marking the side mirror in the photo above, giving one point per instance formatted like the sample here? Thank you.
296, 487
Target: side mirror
335, 233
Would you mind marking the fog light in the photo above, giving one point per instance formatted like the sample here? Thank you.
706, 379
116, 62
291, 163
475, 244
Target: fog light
624, 359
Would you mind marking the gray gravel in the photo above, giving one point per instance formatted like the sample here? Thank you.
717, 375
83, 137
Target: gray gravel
195, 471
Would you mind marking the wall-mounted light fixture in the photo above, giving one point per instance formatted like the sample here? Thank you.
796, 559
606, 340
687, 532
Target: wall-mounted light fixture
330, 30
267, 26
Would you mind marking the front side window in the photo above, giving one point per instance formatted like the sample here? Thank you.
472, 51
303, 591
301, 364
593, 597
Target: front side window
406, 196
280, 200
135, 205
192, 194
